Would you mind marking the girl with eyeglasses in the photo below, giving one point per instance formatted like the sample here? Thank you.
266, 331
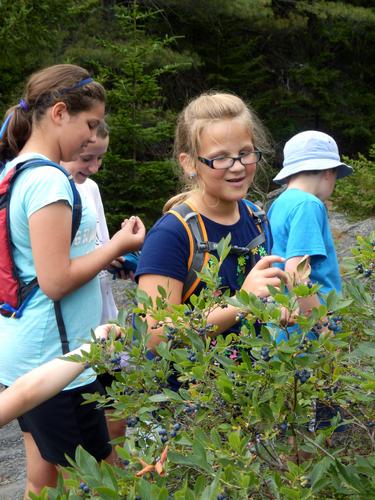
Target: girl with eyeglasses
218, 144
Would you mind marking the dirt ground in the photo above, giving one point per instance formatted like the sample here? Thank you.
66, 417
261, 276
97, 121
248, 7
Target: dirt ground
12, 459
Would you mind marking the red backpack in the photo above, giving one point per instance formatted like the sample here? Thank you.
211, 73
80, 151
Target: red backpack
15, 293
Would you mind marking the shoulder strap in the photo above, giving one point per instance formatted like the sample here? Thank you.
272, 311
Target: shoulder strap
77, 206
198, 245
261, 221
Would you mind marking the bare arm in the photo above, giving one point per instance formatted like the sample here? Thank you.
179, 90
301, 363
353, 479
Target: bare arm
256, 282
44, 382
58, 274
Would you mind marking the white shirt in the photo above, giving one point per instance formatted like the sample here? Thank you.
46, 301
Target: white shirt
90, 191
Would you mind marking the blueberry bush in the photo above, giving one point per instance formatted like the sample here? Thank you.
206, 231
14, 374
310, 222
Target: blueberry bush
243, 416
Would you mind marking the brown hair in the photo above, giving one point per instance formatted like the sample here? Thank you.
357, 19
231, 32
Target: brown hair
201, 111
44, 89
103, 130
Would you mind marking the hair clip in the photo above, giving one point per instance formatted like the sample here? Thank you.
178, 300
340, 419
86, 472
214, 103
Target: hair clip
23, 105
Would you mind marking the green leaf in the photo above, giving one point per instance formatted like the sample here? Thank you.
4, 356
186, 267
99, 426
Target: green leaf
87, 463
106, 492
196, 459
215, 438
235, 441
320, 469
163, 494
162, 292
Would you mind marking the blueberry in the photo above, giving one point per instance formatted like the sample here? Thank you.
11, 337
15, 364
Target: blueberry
303, 375
116, 360
306, 482
173, 434
367, 273
333, 327
163, 432
84, 487
164, 439
125, 462
177, 426
132, 421
283, 426
265, 353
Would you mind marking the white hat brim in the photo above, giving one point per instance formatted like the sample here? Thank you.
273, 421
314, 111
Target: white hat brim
342, 169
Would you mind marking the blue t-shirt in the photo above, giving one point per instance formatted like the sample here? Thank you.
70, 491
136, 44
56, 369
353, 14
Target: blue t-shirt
34, 338
300, 226
166, 249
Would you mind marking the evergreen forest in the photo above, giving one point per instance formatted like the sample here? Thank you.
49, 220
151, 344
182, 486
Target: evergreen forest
301, 64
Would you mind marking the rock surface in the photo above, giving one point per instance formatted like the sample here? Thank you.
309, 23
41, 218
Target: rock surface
12, 459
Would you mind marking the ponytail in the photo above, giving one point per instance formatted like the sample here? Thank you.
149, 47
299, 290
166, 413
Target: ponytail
176, 200
14, 132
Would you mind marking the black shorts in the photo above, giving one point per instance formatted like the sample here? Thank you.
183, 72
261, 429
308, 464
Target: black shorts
106, 379
62, 423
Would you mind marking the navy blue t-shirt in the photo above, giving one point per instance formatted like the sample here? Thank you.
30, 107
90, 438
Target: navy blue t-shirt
166, 249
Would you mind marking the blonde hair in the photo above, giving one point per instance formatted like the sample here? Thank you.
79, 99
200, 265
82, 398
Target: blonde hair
59, 83
203, 110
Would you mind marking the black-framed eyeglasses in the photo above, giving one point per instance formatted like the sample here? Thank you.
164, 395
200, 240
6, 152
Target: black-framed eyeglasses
224, 162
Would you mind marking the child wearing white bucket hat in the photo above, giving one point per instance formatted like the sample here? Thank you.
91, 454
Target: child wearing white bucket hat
299, 224
298, 217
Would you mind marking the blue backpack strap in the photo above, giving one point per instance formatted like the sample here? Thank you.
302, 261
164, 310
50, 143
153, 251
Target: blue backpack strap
262, 220
77, 206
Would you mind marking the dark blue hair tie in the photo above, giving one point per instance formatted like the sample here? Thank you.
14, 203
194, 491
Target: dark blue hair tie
23, 105
81, 83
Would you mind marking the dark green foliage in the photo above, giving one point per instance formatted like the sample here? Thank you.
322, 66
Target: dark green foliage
130, 64
135, 188
300, 64
32, 35
355, 195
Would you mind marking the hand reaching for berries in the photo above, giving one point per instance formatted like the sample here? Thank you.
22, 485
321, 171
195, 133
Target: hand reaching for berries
263, 275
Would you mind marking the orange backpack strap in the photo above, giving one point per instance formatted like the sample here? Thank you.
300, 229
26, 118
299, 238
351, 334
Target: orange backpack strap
200, 248
198, 245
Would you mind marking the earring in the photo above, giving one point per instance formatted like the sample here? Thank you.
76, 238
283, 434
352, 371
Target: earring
192, 175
